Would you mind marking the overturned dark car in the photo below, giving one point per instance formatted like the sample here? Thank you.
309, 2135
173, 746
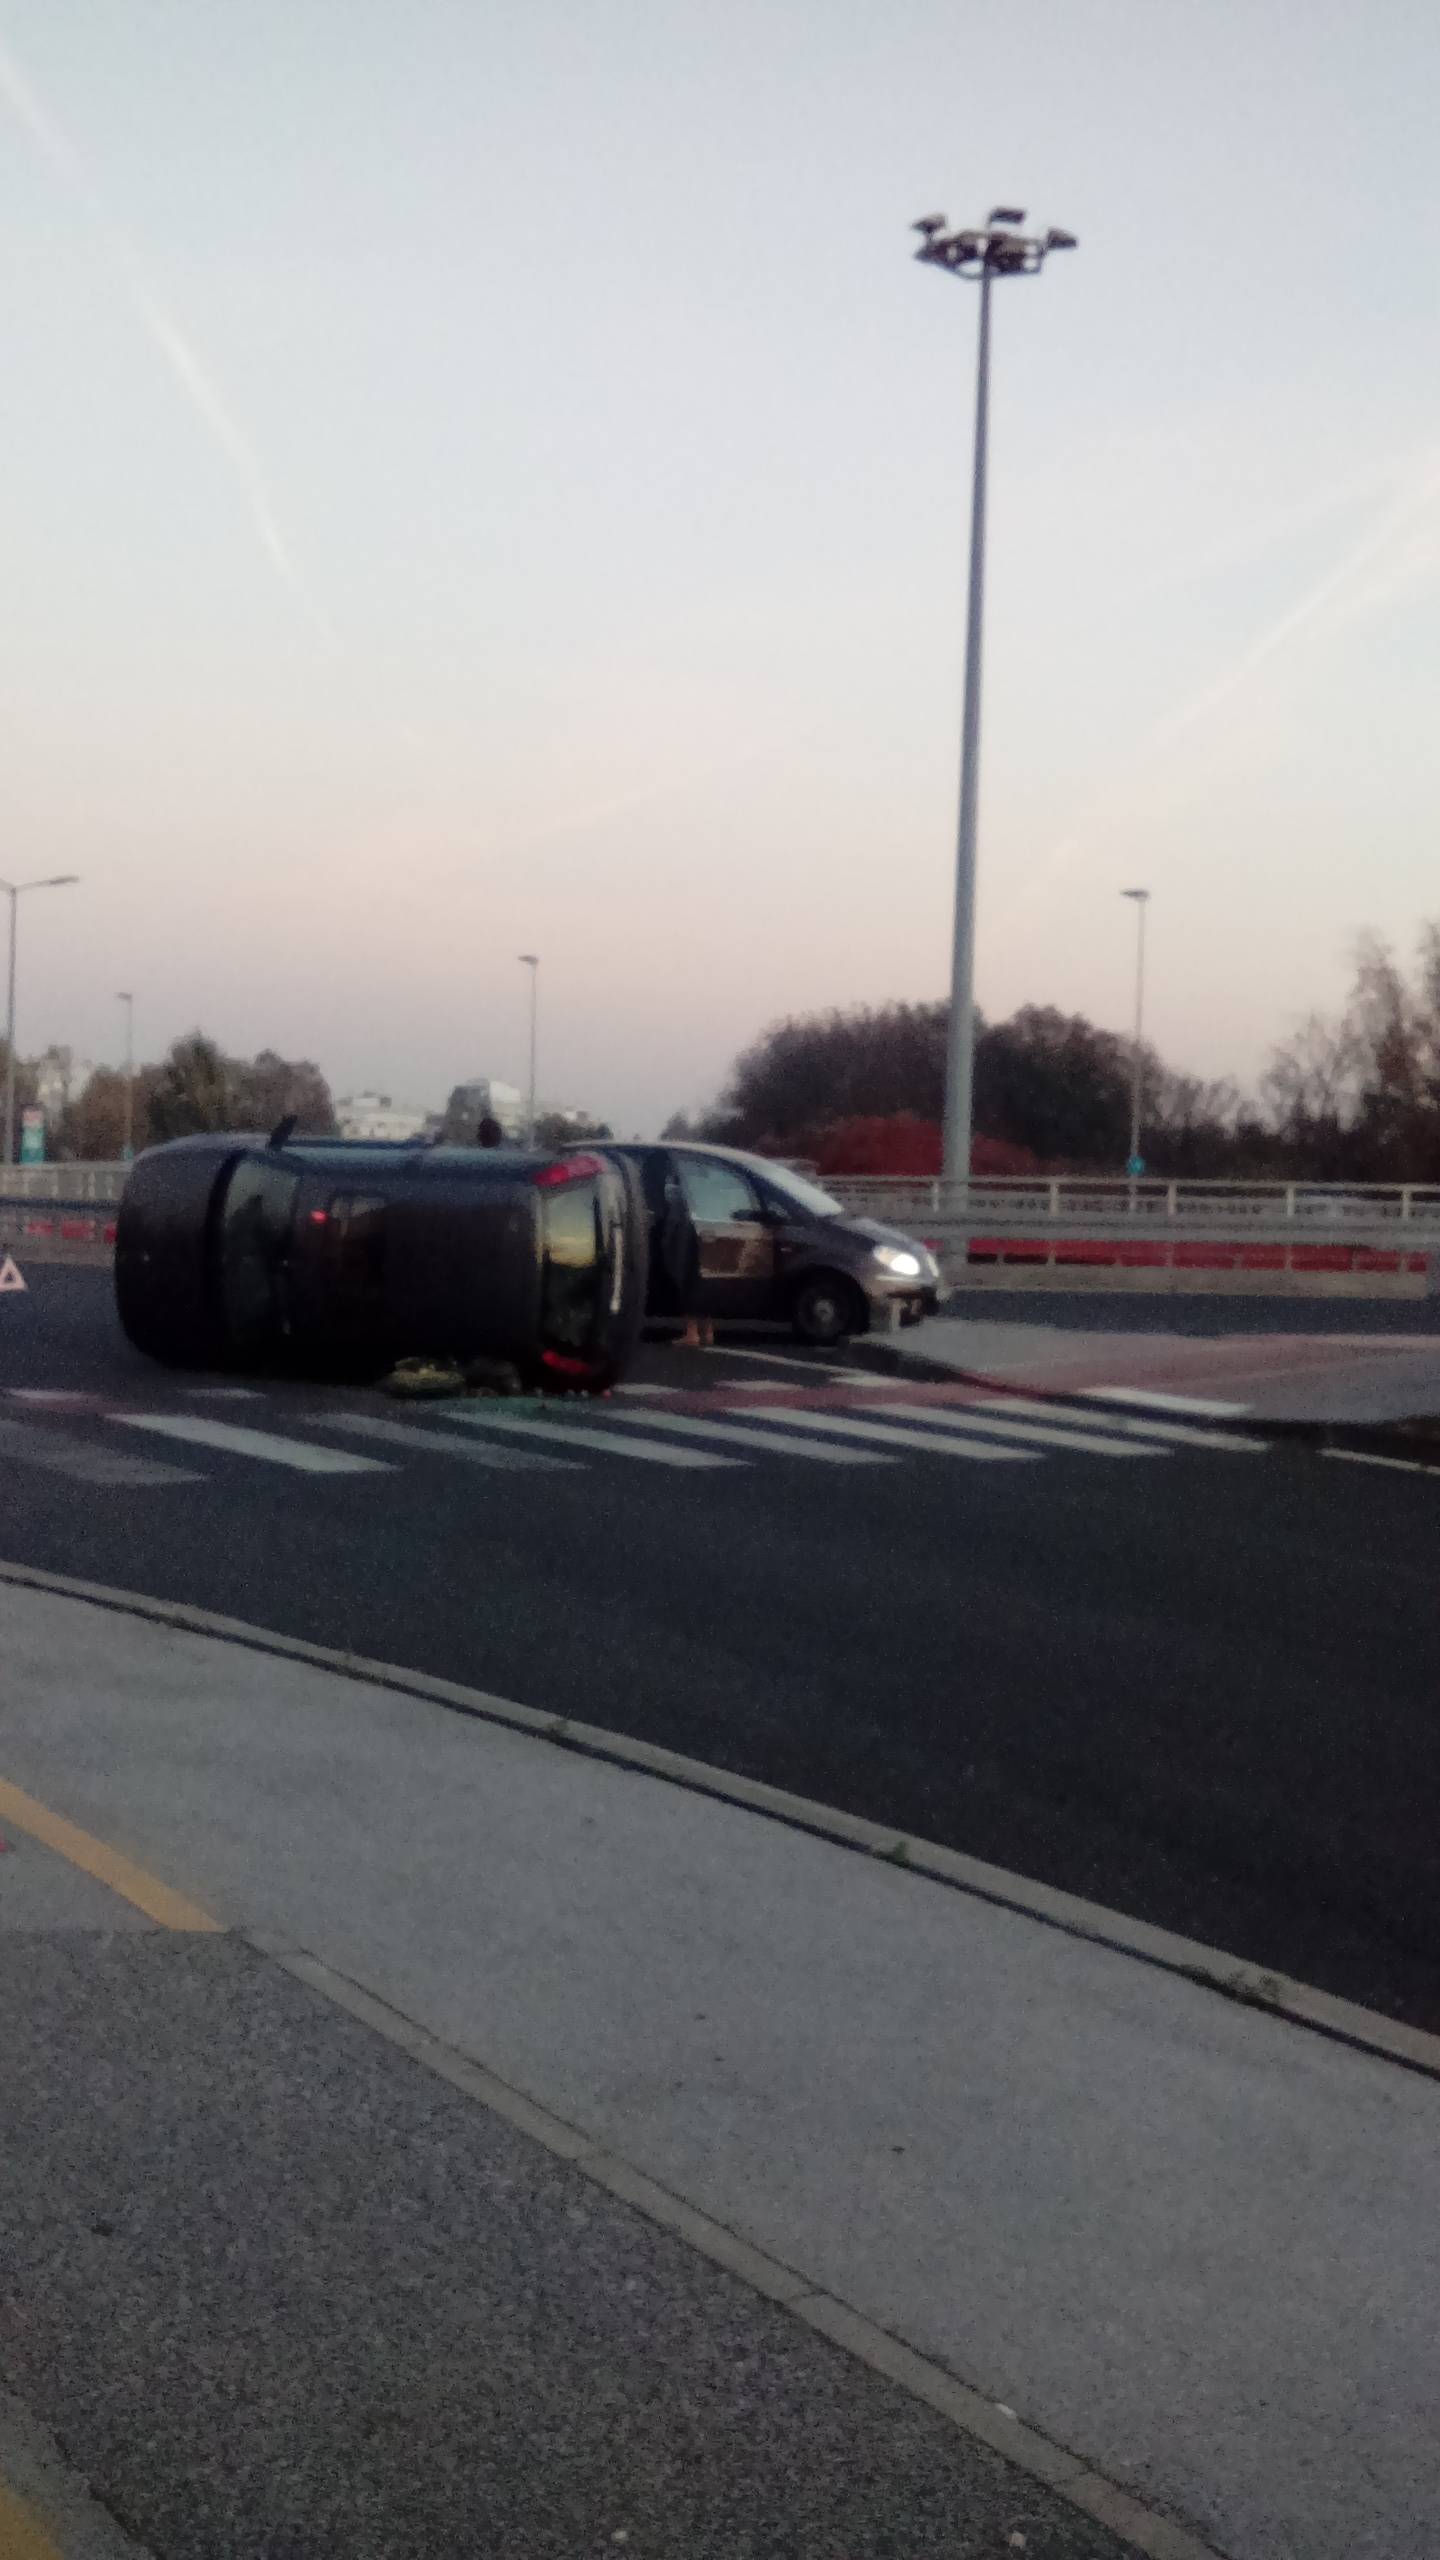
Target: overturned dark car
331, 1258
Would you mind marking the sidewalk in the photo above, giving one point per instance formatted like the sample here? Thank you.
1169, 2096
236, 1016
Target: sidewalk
1341, 1377
263, 2263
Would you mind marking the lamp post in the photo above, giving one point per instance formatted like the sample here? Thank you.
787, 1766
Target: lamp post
1000, 249
15, 890
531, 960
1142, 900
128, 1002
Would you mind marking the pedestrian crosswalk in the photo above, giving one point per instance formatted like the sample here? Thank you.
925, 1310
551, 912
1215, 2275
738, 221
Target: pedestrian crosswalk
815, 1423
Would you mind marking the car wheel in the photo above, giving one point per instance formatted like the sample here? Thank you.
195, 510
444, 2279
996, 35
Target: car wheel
825, 1308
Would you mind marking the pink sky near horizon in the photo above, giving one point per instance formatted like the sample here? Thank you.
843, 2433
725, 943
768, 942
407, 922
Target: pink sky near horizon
479, 482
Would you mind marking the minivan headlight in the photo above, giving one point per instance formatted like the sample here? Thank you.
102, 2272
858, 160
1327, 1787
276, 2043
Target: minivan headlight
906, 1266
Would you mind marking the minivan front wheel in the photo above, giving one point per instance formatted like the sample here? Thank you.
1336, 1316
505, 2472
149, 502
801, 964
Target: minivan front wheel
825, 1308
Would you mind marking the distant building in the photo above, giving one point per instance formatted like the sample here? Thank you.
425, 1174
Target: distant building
483, 1097
59, 1076
374, 1115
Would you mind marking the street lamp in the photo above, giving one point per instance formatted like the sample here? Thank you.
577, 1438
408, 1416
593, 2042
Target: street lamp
531, 960
1135, 1167
128, 1002
1000, 249
15, 891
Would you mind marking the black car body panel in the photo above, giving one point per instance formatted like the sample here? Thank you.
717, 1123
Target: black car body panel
328, 1257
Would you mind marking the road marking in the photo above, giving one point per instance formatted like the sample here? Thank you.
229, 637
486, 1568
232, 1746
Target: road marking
50, 1395
1372, 1458
420, 1436
244, 1443
85, 1461
22, 2536
1094, 1444
1185, 1433
614, 1443
748, 1437
249, 1392
159, 1902
638, 1387
1215, 1406
932, 1441
782, 1360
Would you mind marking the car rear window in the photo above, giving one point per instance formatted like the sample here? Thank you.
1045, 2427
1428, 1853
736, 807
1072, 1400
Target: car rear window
572, 1307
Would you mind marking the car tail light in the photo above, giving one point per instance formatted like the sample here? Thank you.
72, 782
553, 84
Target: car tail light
568, 1169
565, 1367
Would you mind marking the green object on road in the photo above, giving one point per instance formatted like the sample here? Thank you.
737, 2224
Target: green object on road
423, 1377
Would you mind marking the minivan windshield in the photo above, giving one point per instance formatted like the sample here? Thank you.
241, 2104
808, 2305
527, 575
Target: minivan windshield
806, 1195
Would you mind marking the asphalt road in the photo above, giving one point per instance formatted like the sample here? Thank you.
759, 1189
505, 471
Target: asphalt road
1201, 1316
285, 2293
1200, 1689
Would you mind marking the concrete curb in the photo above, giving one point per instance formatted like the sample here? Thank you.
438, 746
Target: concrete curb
1395, 1439
1297, 2004
46, 2511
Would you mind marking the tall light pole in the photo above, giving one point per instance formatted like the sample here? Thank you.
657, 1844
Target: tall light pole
15, 890
1001, 249
531, 960
1142, 900
128, 1002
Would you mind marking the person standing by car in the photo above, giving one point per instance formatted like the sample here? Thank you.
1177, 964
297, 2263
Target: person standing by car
677, 1276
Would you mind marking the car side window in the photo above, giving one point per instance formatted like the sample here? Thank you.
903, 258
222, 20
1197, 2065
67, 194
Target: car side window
716, 1193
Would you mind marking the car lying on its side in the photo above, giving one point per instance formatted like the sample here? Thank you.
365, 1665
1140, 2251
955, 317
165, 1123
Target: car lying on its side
322, 1256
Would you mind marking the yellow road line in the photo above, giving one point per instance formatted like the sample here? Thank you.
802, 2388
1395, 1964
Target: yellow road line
21, 2538
159, 1902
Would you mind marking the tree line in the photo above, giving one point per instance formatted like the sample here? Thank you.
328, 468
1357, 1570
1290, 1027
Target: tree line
195, 1087
1349, 1098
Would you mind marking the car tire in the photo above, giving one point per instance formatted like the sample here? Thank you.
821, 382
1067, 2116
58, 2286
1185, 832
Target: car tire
825, 1308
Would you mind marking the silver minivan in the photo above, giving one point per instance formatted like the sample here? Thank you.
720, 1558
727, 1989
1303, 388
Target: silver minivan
735, 1236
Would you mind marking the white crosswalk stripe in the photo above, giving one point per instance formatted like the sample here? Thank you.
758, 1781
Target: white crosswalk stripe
932, 1443
954, 1418
1214, 1406
85, 1461
421, 1438
824, 1370
575, 1435
241, 1442
1180, 1434
731, 1425
748, 1436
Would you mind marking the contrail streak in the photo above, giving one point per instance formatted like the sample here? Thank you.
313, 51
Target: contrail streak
165, 333
1342, 591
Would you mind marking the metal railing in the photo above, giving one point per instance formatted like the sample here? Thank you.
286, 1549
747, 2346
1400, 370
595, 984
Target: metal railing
77, 1182
1023, 1205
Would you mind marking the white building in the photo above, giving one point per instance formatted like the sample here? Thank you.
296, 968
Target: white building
374, 1115
484, 1097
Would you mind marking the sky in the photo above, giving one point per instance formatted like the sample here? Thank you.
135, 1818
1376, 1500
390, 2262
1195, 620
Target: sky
479, 479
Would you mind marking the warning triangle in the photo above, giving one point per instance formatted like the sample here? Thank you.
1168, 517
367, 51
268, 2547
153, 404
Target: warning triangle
11, 1276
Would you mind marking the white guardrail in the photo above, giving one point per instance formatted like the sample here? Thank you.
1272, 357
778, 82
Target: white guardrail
1029, 1206
69, 1182
1021, 1205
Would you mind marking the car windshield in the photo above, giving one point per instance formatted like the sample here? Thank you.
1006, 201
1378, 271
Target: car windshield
806, 1195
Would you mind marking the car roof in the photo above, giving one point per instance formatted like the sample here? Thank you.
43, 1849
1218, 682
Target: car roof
682, 1146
